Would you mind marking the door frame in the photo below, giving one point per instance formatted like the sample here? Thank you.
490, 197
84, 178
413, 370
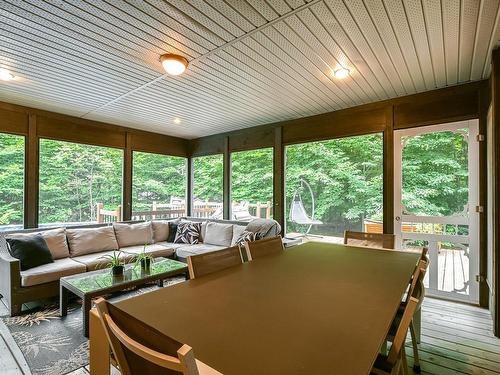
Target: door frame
474, 188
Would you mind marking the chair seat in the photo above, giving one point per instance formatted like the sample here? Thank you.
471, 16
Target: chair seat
51, 272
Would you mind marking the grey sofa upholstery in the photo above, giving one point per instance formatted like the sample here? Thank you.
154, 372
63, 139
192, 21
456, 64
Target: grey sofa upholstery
18, 287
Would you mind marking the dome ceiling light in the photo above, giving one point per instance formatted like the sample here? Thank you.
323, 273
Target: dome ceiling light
5, 75
341, 73
173, 64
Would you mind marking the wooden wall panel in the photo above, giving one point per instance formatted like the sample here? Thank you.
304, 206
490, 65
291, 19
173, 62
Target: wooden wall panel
348, 122
53, 128
13, 122
495, 204
248, 139
159, 144
207, 146
435, 107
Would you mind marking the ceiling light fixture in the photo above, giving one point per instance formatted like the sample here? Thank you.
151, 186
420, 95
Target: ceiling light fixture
177, 120
341, 73
5, 75
173, 64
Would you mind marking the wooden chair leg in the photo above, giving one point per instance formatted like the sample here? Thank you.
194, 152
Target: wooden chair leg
417, 322
404, 362
416, 359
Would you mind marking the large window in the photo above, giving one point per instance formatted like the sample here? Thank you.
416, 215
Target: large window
335, 185
79, 183
208, 174
158, 186
11, 181
252, 184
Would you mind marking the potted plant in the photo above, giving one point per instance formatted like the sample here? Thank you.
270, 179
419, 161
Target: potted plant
145, 260
116, 263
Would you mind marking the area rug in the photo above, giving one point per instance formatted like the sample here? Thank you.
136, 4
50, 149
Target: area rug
54, 345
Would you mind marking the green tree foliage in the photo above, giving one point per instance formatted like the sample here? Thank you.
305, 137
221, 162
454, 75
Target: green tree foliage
11, 179
345, 176
252, 176
208, 178
75, 177
157, 178
435, 173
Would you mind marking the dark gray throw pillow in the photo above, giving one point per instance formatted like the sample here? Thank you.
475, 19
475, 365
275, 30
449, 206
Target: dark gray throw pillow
172, 230
31, 251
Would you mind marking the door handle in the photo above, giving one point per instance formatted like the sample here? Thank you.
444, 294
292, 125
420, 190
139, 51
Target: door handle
398, 218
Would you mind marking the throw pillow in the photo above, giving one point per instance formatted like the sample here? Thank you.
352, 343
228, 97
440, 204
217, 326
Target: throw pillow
172, 230
245, 236
219, 234
31, 251
188, 233
237, 231
54, 238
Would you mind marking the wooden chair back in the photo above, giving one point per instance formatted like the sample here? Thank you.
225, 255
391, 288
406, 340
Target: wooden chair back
261, 248
140, 349
378, 240
204, 264
400, 337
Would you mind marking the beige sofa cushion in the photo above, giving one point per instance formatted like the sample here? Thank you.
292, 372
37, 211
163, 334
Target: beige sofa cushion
201, 248
237, 231
160, 230
155, 250
96, 261
218, 234
84, 241
133, 234
55, 239
51, 272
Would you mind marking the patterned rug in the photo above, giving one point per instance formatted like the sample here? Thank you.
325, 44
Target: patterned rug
54, 345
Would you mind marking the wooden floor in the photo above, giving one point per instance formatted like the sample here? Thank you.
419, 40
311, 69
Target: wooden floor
456, 339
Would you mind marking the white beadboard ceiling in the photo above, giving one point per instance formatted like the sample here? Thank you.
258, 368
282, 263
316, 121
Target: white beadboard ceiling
251, 62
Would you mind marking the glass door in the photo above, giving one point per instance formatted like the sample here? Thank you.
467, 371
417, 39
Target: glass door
436, 198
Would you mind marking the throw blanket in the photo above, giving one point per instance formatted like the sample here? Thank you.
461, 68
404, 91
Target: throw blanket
264, 228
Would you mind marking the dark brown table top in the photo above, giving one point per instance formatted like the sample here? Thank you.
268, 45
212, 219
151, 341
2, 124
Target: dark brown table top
315, 309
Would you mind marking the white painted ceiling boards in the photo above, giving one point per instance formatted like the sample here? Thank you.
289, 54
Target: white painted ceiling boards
251, 62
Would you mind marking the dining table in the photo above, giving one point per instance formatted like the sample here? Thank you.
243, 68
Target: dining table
316, 308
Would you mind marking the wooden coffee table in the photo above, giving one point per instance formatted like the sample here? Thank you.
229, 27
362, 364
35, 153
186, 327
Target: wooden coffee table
99, 283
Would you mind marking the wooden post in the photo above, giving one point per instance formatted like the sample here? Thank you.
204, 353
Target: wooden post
119, 213
268, 210
99, 207
154, 209
257, 212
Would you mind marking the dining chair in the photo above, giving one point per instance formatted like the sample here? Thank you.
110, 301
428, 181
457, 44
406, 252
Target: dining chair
204, 264
140, 349
395, 362
416, 290
261, 248
377, 240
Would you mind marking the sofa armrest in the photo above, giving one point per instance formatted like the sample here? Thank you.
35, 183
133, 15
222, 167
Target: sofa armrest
10, 274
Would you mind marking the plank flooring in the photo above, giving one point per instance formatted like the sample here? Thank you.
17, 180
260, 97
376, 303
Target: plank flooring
456, 339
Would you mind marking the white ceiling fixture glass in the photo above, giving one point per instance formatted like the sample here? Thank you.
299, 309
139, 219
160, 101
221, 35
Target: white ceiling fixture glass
341, 73
177, 120
174, 64
5, 75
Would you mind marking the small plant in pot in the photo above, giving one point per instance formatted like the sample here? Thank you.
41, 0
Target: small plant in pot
116, 263
145, 260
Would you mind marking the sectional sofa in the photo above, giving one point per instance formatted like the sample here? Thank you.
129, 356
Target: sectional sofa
80, 249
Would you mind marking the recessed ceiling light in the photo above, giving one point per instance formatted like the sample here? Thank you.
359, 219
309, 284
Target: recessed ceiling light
174, 64
177, 120
5, 75
341, 73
